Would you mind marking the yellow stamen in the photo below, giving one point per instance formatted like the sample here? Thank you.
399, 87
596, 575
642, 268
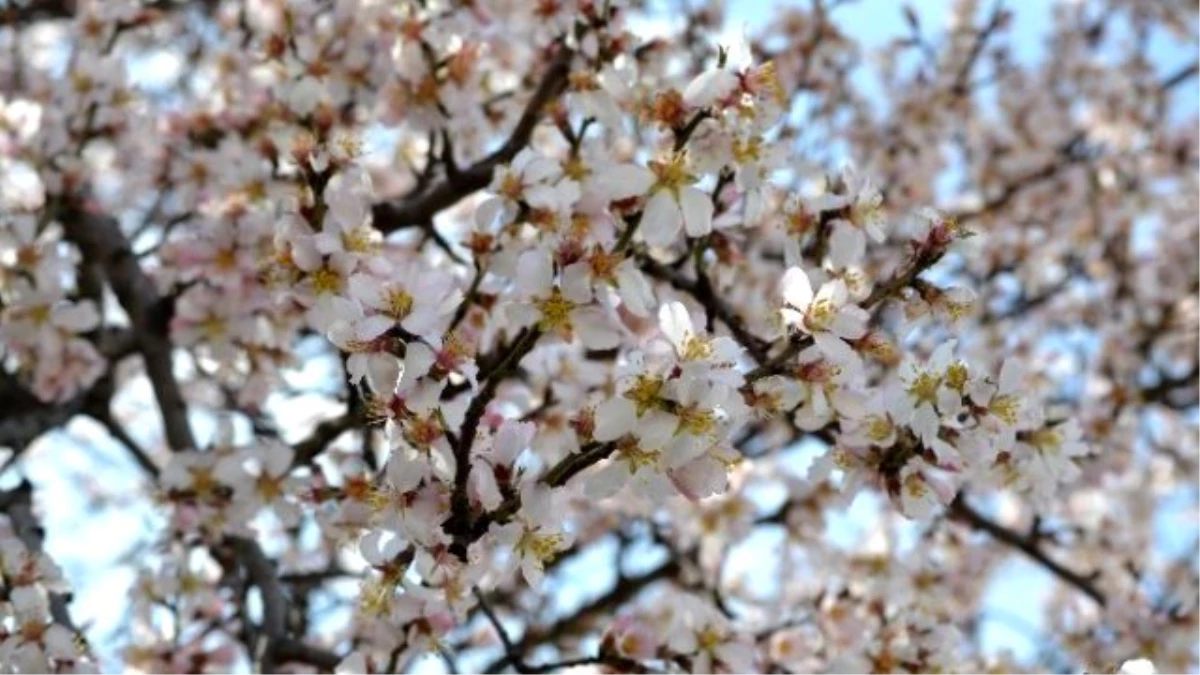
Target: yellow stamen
556, 311
645, 393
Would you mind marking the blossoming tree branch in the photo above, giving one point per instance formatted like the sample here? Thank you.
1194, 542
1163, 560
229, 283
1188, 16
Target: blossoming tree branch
599, 294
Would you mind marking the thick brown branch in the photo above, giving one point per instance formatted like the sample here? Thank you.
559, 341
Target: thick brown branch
289, 650
273, 646
325, 433
261, 572
459, 524
99, 238
557, 476
25, 417
418, 210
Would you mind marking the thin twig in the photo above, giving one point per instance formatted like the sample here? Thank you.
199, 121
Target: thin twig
963, 512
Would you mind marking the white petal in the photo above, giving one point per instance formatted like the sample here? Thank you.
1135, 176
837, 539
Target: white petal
709, 87
607, 481
276, 457
700, 478
540, 170
661, 219
796, 288
834, 292
372, 327
418, 359
531, 569
850, 322
675, 323
511, 438
485, 486
383, 371
366, 289
635, 290
897, 403
625, 181
940, 359
834, 348
656, 428
847, 245
404, 474
545, 197
355, 663
614, 418
1011, 375
535, 273
60, 643
305, 254
577, 283
697, 211
594, 329
78, 318
488, 211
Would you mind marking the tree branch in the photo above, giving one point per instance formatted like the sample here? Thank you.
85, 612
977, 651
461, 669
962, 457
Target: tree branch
99, 238
418, 210
18, 504
964, 513
625, 589
459, 524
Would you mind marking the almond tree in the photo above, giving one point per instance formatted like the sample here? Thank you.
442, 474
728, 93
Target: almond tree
606, 296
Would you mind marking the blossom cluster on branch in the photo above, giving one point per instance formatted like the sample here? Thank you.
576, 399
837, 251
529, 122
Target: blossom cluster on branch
588, 287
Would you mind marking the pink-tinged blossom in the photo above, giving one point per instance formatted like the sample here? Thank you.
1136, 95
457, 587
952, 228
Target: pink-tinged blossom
827, 315
535, 537
495, 470
564, 310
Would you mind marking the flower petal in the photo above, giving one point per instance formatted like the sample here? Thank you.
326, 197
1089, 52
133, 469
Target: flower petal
697, 211
661, 219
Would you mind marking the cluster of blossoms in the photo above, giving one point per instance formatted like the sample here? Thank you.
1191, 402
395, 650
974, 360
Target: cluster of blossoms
43, 322
35, 637
597, 294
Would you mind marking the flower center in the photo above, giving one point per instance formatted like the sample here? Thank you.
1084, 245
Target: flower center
213, 327
226, 259
556, 311
914, 487
361, 239
541, 547
696, 422
708, 639
399, 303
269, 487
820, 315
879, 428
604, 265
1006, 407
696, 349
636, 458
39, 314
672, 174
326, 281
645, 393
1046, 440
748, 151
956, 376
924, 388
511, 187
